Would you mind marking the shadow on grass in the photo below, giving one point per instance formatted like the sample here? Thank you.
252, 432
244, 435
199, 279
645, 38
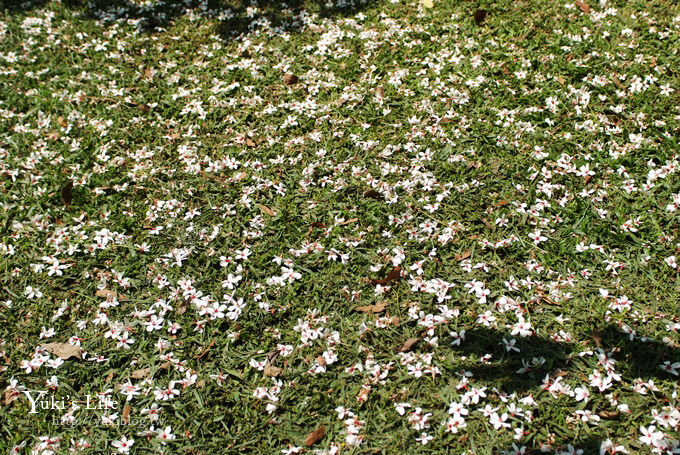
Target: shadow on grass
236, 17
637, 358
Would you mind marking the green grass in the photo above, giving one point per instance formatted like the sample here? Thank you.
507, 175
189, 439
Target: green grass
176, 115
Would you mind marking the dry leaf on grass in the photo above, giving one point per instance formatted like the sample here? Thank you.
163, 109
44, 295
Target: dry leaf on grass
8, 397
373, 194
67, 194
608, 414
464, 255
273, 355
141, 373
266, 210
408, 344
317, 225
290, 79
126, 414
377, 308
64, 350
205, 350
394, 274
249, 142
617, 82
584, 6
480, 16
109, 294
350, 221
597, 338
272, 371
315, 436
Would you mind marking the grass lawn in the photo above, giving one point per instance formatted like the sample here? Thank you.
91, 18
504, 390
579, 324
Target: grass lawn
378, 227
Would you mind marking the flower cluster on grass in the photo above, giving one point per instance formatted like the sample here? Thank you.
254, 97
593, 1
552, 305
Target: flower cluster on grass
414, 226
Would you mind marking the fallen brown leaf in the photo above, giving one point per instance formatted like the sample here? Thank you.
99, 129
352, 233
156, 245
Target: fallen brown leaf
272, 371
8, 397
464, 255
290, 79
597, 337
273, 355
67, 193
249, 142
106, 293
408, 344
373, 194
64, 350
316, 224
315, 436
205, 350
108, 378
266, 210
126, 414
350, 221
583, 5
141, 373
480, 15
377, 308
608, 414
394, 274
